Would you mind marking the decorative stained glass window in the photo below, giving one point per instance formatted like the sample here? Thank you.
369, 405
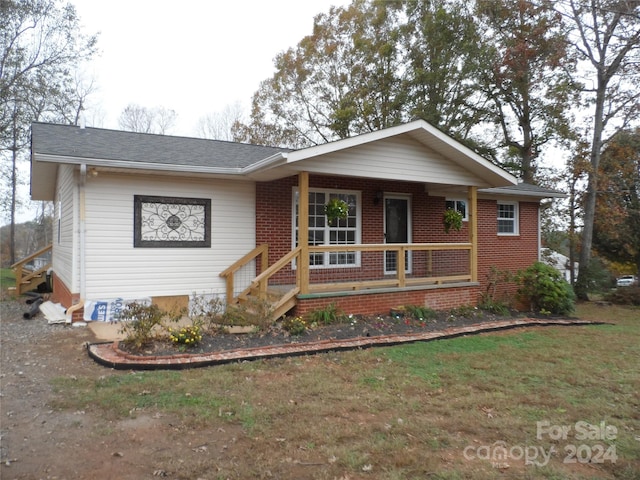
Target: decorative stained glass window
162, 222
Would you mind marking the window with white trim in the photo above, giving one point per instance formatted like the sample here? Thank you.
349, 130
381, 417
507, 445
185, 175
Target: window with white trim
507, 218
458, 205
339, 232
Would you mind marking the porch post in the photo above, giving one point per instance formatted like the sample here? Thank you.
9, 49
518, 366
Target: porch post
303, 231
473, 232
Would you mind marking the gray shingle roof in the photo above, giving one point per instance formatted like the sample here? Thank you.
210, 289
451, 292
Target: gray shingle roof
97, 143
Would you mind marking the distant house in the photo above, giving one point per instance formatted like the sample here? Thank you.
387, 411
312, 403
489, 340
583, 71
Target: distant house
163, 217
560, 262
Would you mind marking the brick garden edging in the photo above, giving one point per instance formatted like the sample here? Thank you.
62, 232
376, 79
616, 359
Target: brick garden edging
109, 355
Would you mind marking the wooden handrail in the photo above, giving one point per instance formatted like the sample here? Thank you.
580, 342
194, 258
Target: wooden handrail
261, 282
372, 247
32, 256
23, 282
229, 272
238, 264
273, 269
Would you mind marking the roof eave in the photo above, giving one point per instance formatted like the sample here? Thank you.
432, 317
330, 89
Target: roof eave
522, 193
124, 164
273, 161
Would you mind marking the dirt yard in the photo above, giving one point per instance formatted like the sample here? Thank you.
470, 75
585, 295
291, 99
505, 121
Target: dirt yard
40, 442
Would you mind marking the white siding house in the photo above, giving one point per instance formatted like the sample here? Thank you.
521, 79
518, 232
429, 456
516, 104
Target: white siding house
160, 217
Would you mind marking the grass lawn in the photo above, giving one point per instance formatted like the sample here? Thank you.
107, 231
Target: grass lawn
7, 279
536, 403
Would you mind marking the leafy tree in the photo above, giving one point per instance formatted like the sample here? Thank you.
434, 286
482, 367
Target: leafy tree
526, 78
606, 37
339, 81
41, 46
616, 234
136, 118
444, 59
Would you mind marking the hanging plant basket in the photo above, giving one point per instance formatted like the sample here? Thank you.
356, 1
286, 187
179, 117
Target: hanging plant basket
336, 209
452, 219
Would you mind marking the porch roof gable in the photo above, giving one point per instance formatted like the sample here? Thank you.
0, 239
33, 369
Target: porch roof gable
444, 147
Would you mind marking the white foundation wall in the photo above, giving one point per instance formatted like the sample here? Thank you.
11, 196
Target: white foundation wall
117, 269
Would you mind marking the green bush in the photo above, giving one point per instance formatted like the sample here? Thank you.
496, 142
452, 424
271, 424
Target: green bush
420, 312
545, 290
327, 315
139, 323
294, 325
497, 307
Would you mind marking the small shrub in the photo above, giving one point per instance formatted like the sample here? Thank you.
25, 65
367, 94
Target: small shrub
495, 295
207, 313
544, 288
491, 305
186, 336
327, 315
139, 323
624, 296
294, 325
254, 312
420, 312
465, 311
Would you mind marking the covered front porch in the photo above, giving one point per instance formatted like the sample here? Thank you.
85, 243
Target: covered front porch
356, 275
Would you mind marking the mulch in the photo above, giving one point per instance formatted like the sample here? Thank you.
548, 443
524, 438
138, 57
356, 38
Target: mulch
351, 327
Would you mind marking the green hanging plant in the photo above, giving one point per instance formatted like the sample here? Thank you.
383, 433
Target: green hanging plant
452, 219
336, 209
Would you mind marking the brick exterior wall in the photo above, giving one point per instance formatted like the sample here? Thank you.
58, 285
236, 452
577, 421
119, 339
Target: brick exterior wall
370, 303
273, 227
505, 253
62, 295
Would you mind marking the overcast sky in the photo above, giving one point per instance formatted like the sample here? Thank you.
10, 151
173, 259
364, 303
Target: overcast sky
192, 56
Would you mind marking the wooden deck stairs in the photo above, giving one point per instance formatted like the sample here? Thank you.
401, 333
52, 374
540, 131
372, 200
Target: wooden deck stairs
279, 300
29, 278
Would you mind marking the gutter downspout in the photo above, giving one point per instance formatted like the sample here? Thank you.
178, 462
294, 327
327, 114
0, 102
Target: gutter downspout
539, 233
82, 239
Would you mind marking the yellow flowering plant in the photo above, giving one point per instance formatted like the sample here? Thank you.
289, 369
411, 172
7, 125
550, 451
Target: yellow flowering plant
187, 336
294, 325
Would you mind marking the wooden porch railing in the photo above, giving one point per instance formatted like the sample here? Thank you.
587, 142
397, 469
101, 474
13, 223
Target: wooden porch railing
398, 279
28, 279
424, 271
230, 272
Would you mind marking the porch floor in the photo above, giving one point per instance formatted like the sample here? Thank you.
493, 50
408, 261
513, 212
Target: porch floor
109, 355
